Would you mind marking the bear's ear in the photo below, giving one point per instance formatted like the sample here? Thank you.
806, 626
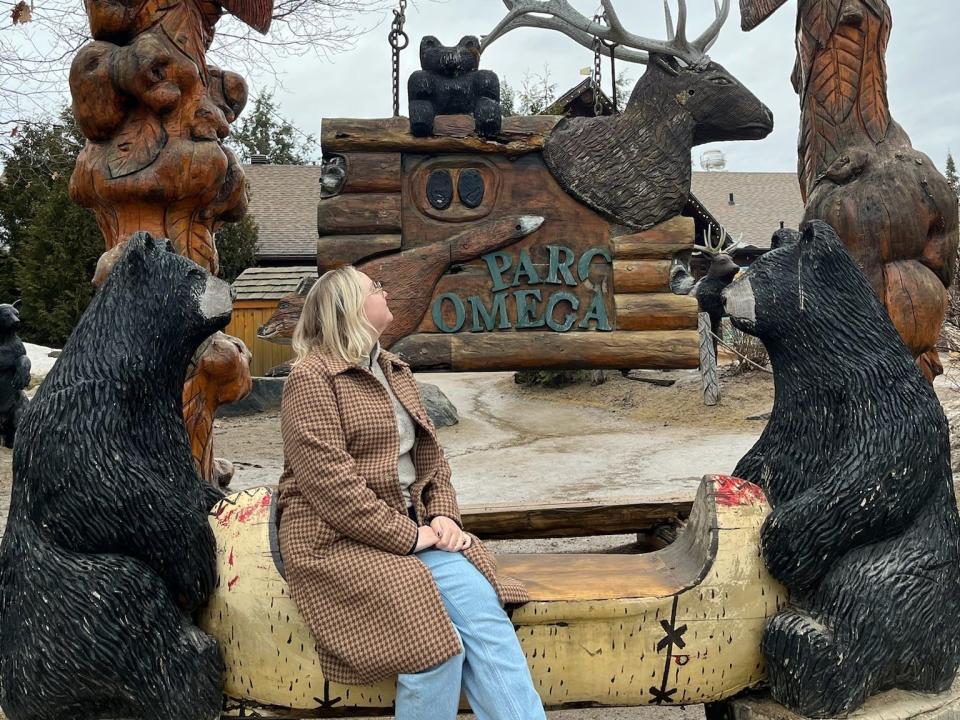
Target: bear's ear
138, 246
168, 246
818, 237
470, 42
429, 42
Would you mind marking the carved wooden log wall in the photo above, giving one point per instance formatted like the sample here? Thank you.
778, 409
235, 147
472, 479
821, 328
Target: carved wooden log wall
575, 293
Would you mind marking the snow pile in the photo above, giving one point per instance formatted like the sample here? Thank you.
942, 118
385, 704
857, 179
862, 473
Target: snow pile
40, 361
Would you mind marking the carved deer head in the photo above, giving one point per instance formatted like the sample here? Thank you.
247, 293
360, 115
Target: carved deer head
635, 167
722, 108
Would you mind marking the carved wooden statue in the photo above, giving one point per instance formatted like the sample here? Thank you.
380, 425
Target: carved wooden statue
634, 168
14, 374
108, 548
219, 374
450, 83
855, 460
154, 114
858, 171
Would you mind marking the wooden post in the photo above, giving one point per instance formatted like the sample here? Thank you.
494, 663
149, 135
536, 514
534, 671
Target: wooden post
708, 362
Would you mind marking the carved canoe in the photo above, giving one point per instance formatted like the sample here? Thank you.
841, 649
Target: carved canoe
678, 626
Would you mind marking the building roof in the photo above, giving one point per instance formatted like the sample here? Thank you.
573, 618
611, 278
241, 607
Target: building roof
578, 101
761, 201
283, 202
271, 283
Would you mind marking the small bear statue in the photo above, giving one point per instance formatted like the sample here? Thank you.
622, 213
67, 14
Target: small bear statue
14, 374
450, 84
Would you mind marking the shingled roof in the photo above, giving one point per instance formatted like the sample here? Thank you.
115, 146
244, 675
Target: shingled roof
271, 283
761, 201
283, 202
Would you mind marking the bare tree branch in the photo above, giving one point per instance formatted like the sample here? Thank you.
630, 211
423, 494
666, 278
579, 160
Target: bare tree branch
35, 57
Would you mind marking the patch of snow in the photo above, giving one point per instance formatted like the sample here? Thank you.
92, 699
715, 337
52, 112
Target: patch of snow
40, 361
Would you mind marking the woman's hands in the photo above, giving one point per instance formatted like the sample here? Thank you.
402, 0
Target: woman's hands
443, 534
426, 538
449, 535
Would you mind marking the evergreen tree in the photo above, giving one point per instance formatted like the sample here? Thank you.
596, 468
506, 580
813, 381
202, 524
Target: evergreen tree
952, 178
237, 247
262, 131
507, 95
624, 88
50, 246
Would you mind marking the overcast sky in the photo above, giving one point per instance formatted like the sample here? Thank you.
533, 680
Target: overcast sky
922, 63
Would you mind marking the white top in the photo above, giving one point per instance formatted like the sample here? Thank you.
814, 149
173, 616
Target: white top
405, 428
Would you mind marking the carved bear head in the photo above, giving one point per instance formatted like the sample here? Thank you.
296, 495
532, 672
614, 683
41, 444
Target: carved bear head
808, 302
453, 61
9, 318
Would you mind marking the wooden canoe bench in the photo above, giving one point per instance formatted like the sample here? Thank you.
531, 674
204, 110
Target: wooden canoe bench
681, 625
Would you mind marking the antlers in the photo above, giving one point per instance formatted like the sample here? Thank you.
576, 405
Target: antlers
715, 248
561, 16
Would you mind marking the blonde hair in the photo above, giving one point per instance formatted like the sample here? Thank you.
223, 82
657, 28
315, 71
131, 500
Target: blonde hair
333, 318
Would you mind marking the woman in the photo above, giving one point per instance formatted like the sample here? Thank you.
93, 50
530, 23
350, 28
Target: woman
370, 532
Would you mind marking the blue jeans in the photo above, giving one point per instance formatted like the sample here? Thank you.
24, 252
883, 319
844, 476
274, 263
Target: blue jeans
491, 669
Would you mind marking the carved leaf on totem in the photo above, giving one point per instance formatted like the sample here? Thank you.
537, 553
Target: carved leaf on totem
194, 414
137, 146
754, 12
819, 146
819, 17
835, 75
255, 13
815, 22
874, 107
184, 25
189, 235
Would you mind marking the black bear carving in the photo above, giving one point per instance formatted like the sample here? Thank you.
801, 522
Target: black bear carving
14, 374
855, 461
108, 547
449, 84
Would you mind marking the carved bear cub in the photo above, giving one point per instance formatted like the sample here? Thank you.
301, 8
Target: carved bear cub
449, 84
855, 461
14, 374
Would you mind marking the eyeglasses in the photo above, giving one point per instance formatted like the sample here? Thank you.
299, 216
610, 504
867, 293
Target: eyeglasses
376, 287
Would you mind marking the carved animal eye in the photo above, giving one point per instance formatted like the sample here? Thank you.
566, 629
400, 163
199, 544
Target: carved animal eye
720, 80
470, 188
440, 189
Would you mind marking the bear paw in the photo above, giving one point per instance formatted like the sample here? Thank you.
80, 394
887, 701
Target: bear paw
807, 670
795, 551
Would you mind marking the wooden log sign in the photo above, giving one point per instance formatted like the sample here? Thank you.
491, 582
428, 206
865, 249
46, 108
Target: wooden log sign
489, 263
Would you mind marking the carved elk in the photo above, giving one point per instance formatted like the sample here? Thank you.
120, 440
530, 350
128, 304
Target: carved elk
634, 168
859, 172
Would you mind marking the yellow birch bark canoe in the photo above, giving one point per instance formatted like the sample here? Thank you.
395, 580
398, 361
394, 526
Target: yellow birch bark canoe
678, 626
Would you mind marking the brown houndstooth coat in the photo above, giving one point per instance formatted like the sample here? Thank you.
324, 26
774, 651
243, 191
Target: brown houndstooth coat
345, 536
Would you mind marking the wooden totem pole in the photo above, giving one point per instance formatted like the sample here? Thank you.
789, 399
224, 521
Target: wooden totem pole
154, 113
889, 204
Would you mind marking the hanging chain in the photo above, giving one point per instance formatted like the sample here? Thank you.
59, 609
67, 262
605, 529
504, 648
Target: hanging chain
398, 41
597, 105
613, 73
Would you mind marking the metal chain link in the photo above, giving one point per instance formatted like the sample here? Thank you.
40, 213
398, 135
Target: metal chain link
597, 105
398, 41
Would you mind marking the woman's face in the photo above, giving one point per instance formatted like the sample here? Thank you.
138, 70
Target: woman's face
375, 305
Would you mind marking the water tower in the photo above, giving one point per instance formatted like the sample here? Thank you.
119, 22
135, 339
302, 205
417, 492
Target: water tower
712, 160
